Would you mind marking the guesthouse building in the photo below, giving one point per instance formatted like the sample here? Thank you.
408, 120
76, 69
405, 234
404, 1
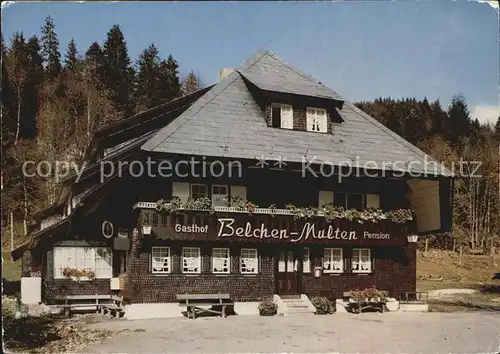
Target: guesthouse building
265, 183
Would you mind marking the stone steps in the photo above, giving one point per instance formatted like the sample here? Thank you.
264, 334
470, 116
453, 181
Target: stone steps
295, 304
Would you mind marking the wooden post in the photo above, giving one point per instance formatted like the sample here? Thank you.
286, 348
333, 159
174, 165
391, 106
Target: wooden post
460, 259
426, 246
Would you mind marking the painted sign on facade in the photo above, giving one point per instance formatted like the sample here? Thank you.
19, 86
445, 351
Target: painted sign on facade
227, 229
309, 231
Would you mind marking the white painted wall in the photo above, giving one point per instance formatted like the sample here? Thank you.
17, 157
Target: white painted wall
424, 198
31, 290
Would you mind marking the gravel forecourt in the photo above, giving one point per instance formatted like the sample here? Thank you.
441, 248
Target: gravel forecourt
470, 332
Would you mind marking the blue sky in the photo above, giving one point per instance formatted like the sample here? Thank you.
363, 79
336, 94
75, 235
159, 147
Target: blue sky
362, 50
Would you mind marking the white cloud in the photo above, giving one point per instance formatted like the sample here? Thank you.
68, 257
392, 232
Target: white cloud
492, 3
6, 4
486, 113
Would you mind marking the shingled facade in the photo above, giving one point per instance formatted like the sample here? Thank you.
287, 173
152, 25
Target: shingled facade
334, 188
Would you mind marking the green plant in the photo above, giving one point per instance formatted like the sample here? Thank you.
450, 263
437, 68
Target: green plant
322, 305
332, 212
272, 207
202, 203
368, 295
170, 206
400, 216
268, 306
251, 207
78, 273
303, 212
237, 202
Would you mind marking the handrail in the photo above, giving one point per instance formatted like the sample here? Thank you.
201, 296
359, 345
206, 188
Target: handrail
414, 297
224, 209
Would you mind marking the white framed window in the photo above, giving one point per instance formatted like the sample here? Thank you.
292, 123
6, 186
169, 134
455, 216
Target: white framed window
281, 116
219, 195
199, 191
316, 120
349, 200
191, 260
361, 260
372, 201
281, 262
306, 263
333, 261
249, 261
93, 259
221, 262
160, 260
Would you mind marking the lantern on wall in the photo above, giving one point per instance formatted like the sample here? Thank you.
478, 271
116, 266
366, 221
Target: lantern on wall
146, 229
412, 238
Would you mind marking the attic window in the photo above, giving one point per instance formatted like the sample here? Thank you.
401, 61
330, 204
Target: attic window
316, 120
281, 116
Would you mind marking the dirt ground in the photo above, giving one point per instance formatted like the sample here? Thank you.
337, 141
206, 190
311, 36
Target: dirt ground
474, 332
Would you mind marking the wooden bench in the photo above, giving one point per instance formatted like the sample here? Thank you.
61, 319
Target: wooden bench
110, 304
196, 303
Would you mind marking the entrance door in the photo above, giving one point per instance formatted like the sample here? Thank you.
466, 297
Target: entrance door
286, 272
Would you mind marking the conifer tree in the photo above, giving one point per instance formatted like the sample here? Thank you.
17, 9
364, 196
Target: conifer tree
94, 63
191, 83
50, 49
148, 93
71, 57
169, 79
118, 74
33, 86
459, 123
497, 129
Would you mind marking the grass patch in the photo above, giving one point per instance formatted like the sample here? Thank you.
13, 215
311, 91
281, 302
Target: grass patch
460, 305
10, 270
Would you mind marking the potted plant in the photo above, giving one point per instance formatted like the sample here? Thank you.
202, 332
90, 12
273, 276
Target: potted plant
323, 305
272, 208
251, 207
268, 307
368, 298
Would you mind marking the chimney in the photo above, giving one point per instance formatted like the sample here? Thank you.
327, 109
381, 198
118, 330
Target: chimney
224, 72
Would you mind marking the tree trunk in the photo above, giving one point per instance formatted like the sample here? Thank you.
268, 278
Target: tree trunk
25, 206
18, 119
471, 211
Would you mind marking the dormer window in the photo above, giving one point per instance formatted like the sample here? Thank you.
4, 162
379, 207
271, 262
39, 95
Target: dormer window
316, 120
281, 116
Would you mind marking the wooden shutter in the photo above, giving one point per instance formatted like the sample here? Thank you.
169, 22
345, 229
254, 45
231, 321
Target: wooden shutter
49, 271
286, 116
325, 197
239, 191
322, 119
310, 117
181, 190
372, 201
150, 261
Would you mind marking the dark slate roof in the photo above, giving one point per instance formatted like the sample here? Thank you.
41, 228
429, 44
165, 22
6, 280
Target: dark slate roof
269, 72
226, 121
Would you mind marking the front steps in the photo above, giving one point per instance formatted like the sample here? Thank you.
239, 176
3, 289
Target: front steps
294, 304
